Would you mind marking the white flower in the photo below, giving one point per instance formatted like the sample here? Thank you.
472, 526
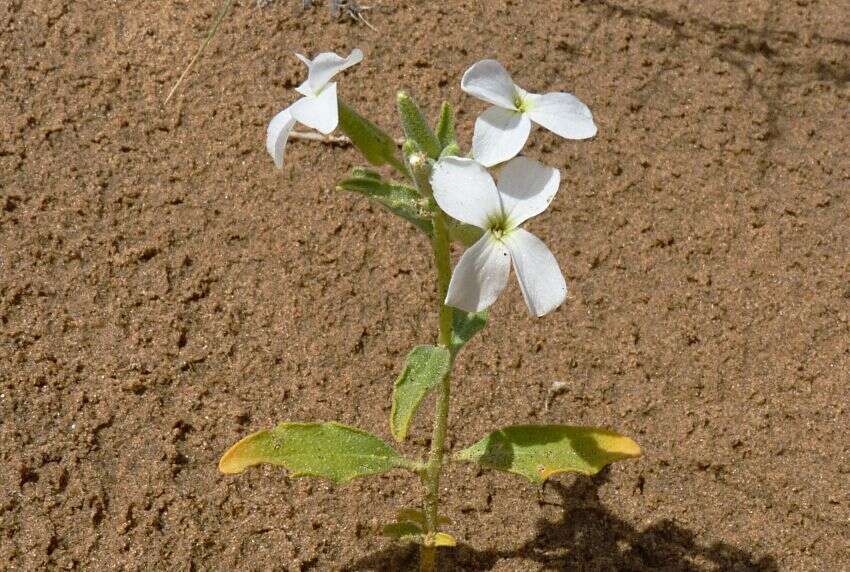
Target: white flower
466, 191
502, 130
318, 108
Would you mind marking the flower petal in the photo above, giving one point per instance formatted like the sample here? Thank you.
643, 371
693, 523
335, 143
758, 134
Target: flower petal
320, 112
540, 278
499, 135
465, 190
304, 59
480, 275
489, 81
323, 67
526, 188
562, 113
277, 134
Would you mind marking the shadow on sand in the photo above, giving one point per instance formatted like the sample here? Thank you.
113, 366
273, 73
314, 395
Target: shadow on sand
587, 537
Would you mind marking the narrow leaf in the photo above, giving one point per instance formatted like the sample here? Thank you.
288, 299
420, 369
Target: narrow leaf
373, 142
446, 126
425, 368
399, 199
328, 450
364, 173
465, 325
416, 126
539, 451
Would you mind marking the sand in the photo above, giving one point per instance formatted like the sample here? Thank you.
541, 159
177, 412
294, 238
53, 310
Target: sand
165, 291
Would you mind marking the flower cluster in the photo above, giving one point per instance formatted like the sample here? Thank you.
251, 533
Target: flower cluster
464, 189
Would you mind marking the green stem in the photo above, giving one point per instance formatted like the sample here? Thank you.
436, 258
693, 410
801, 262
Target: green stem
442, 260
420, 170
434, 466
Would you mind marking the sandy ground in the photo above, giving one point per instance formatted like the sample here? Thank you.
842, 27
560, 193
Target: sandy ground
164, 290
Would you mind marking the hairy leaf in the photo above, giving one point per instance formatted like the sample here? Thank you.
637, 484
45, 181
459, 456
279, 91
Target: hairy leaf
465, 325
539, 451
399, 199
328, 450
364, 173
373, 142
446, 126
416, 126
425, 368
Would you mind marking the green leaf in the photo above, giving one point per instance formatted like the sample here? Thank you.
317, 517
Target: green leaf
539, 451
425, 368
416, 126
373, 142
400, 199
364, 173
465, 325
446, 126
328, 450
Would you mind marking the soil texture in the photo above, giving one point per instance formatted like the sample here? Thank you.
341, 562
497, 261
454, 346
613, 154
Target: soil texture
164, 290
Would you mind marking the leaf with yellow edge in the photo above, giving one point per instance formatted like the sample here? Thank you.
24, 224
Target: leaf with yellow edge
539, 451
328, 450
444, 539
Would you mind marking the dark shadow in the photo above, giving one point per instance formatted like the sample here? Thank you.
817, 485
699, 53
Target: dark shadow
396, 557
587, 537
